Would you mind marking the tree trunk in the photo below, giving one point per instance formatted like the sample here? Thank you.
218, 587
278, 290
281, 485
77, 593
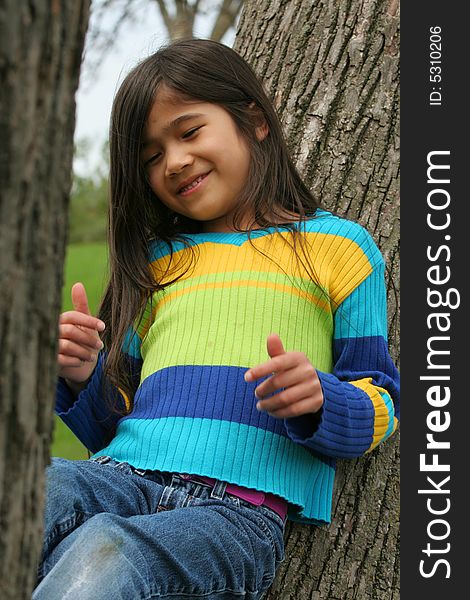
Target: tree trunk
41, 45
332, 70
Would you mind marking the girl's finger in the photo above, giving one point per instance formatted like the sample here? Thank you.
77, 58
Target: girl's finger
303, 407
69, 361
85, 336
79, 298
68, 348
278, 363
77, 318
284, 379
286, 397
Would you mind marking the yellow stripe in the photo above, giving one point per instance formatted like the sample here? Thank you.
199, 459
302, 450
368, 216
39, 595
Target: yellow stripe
381, 416
340, 265
126, 398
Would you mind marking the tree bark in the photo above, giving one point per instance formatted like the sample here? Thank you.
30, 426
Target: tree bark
332, 71
41, 46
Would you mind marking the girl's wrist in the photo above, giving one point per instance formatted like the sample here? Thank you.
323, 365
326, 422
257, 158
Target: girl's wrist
76, 387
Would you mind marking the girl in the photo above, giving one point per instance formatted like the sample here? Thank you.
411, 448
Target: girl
209, 430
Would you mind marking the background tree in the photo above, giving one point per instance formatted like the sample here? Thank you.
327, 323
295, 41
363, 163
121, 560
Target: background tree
332, 68
179, 18
41, 45
89, 200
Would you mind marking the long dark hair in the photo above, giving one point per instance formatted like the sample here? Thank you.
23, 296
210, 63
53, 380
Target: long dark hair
209, 72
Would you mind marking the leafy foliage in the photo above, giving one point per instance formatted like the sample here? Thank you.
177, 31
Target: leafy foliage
89, 200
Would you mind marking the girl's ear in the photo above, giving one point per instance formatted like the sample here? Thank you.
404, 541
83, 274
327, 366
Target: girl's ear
262, 131
262, 128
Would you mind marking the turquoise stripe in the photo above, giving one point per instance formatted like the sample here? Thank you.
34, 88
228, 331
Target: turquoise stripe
363, 313
132, 344
324, 222
337, 226
388, 403
240, 454
234, 238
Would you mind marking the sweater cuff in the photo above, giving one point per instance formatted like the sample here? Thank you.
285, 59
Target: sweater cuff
88, 415
343, 426
64, 397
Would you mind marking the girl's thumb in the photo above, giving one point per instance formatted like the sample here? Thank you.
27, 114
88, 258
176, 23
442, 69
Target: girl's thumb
79, 298
274, 345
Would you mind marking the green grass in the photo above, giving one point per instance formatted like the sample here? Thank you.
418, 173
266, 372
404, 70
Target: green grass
86, 263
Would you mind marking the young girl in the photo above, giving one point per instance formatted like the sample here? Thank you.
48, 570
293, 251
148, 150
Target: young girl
241, 347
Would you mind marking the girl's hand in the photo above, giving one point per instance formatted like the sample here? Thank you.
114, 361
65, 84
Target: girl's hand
292, 371
79, 341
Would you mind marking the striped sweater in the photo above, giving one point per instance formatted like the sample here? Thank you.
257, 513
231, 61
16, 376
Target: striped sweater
194, 412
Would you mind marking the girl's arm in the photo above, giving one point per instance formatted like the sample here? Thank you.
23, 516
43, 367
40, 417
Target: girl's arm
85, 414
361, 396
347, 412
89, 414
93, 413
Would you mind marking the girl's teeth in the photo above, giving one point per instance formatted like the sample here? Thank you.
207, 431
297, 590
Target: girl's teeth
193, 184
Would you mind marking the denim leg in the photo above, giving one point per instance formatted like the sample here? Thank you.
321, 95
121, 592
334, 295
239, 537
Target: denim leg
192, 546
78, 490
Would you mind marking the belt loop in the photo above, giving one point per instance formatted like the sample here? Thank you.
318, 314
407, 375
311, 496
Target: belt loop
174, 480
218, 490
102, 460
165, 498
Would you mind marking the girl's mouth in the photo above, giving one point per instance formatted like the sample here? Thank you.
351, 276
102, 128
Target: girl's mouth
193, 186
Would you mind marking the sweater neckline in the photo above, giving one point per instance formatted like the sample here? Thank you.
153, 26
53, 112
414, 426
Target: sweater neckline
261, 230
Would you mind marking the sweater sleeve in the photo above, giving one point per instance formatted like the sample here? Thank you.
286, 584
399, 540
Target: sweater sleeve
94, 414
361, 395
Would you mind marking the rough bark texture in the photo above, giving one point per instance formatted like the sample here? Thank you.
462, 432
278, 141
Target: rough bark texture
332, 69
41, 45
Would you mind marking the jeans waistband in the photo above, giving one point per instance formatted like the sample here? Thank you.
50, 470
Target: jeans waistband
275, 503
255, 497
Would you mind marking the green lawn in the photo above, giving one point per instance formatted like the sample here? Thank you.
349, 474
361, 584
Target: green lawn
86, 263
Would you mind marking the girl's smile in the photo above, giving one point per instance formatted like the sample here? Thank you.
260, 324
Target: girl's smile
197, 162
193, 185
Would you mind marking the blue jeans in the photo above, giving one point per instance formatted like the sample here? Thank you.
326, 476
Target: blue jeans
114, 533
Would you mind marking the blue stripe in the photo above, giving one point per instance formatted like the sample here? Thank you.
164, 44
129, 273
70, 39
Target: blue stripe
361, 354
202, 392
360, 358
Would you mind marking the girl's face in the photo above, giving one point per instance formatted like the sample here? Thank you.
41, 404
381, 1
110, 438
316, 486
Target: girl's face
196, 161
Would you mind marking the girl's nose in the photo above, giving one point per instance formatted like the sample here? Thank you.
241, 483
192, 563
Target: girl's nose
176, 161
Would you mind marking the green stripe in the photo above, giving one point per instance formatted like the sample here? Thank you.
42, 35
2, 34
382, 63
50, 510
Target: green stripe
305, 285
229, 326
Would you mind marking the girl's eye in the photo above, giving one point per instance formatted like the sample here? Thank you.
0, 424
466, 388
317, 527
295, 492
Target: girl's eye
190, 132
152, 159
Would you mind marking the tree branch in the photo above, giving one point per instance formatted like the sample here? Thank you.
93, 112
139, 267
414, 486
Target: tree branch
165, 14
226, 18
